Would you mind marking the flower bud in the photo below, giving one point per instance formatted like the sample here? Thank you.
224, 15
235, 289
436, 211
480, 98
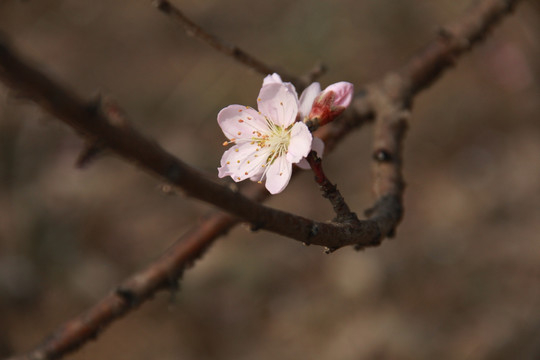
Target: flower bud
331, 102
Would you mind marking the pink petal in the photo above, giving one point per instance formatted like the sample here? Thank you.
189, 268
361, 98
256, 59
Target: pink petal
278, 175
272, 79
307, 98
300, 142
278, 103
276, 79
317, 145
242, 161
239, 122
343, 93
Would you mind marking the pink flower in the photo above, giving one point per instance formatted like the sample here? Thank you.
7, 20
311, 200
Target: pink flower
331, 102
268, 141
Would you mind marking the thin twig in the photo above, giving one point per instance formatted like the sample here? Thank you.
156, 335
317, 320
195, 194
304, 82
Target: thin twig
163, 273
422, 70
330, 191
191, 28
149, 156
391, 98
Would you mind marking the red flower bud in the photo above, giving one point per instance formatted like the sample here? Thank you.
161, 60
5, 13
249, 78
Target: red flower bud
331, 102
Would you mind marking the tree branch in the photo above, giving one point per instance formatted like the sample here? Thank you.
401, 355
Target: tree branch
391, 98
233, 51
125, 141
163, 273
330, 191
452, 41
388, 101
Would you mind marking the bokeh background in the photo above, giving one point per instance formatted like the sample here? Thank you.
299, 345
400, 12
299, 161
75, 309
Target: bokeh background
460, 281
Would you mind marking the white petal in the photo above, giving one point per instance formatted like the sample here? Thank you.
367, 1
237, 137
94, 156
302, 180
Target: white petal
278, 175
278, 103
300, 142
307, 98
276, 79
272, 79
239, 122
242, 161
317, 145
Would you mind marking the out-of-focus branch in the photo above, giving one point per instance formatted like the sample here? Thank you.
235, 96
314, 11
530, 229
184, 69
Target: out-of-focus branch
191, 28
388, 101
452, 41
164, 272
391, 98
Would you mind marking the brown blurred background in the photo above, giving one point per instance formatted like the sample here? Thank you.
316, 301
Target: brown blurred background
460, 281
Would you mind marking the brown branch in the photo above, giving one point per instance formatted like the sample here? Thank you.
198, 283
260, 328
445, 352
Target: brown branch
452, 41
164, 272
389, 133
330, 191
387, 100
391, 98
125, 141
233, 51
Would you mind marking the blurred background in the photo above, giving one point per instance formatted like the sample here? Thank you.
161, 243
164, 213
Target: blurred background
461, 280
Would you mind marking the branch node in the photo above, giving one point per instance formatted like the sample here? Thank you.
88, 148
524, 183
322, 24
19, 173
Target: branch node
174, 173
95, 104
329, 250
256, 226
128, 296
313, 231
383, 156
167, 189
91, 151
445, 34
162, 5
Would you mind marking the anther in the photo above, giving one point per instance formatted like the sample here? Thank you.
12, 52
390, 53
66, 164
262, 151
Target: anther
236, 150
239, 110
239, 133
240, 121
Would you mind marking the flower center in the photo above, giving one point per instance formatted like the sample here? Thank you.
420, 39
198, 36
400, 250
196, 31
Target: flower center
278, 139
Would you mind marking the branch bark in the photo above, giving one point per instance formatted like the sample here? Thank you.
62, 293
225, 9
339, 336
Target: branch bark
388, 101
125, 141
233, 51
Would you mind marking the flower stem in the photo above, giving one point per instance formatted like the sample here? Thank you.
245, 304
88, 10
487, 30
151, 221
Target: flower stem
330, 191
